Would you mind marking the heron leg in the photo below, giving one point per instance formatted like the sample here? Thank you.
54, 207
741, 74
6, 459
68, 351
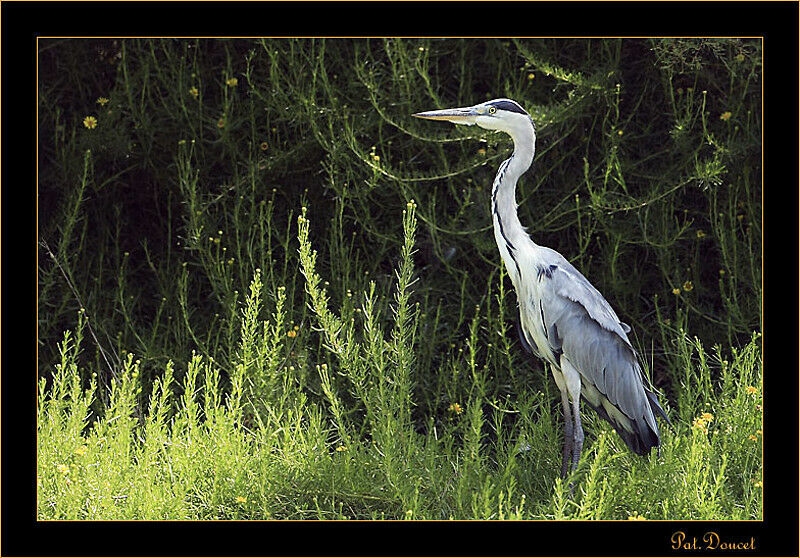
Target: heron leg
577, 445
558, 376
568, 435
572, 379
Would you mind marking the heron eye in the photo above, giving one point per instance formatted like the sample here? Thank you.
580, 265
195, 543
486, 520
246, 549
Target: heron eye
492, 110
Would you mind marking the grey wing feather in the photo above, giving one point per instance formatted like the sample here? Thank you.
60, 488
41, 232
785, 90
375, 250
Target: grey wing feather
568, 282
582, 325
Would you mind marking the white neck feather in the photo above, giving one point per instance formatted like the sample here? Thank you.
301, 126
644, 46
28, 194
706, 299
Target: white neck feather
504, 203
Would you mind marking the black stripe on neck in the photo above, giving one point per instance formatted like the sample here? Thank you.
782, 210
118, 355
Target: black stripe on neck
509, 245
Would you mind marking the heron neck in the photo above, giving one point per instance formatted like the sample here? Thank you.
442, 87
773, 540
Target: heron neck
504, 203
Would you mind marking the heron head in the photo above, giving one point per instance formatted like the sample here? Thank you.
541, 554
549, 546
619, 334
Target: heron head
503, 115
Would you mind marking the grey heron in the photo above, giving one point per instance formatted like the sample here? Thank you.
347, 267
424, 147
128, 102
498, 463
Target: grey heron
563, 318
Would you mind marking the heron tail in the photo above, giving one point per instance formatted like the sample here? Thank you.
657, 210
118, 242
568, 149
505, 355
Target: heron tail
640, 441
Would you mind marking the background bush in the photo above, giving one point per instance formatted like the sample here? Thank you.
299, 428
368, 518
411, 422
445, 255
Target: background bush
286, 283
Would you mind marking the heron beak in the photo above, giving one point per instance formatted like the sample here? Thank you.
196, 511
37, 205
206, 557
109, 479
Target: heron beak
465, 115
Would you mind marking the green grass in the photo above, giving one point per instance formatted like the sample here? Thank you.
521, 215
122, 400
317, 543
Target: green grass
289, 302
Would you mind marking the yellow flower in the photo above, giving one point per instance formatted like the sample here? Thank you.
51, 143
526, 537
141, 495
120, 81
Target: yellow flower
708, 417
221, 123
194, 92
531, 76
725, 116
481, 151
264, 146
291, 333
636, 517
752, 438
241, 500
63, 469
232, 82
102, 101
80, 450
376, 157
700, 425
676, 291
740, 57
455, 408
751, 390
341, 448
758, 484
688, 286
620, 132
90, 122
700, 233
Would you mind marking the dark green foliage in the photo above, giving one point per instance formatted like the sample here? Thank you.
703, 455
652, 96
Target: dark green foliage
271, 208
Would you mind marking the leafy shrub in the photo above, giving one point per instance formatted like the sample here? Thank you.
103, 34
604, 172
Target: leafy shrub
265, 219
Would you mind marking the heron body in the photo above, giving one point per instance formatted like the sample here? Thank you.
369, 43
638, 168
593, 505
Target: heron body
564, 320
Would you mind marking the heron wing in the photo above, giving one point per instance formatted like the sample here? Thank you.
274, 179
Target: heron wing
581, 325
569, 283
